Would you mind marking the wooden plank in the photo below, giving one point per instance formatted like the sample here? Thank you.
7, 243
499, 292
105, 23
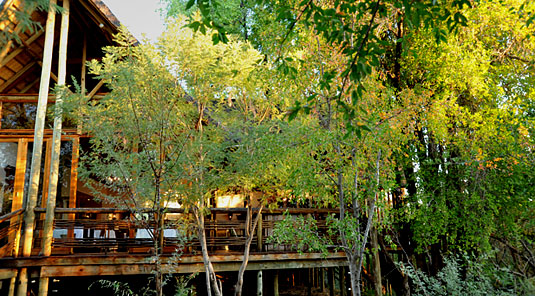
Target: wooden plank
185, 268
139, 259
15, 77
8, 273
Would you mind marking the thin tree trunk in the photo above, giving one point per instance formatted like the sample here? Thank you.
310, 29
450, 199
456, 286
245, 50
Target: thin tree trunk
354, 276
211, 280
250, 232
377, 280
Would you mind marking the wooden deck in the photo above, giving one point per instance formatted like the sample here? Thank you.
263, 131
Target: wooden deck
107, 241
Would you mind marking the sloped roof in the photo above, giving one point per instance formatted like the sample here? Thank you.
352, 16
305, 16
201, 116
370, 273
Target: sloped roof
20, 59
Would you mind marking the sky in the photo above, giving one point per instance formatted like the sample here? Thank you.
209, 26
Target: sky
139, 16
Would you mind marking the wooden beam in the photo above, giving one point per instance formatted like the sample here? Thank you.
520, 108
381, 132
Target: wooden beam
17, 98
17, 51
8, 273
15, 77
95, 89
185, 259
184, 268
84, 60
29, 86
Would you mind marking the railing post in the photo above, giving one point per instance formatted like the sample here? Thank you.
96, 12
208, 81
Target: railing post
259, 232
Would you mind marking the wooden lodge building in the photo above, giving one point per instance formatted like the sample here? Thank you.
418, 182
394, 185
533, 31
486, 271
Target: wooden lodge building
90, 241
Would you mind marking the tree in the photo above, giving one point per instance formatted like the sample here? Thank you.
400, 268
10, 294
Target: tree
181, 122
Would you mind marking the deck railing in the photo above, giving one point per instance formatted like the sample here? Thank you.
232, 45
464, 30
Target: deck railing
110, 230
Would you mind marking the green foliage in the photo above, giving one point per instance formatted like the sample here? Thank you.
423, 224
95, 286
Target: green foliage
11, 17
123, 289
301, 233
466, 276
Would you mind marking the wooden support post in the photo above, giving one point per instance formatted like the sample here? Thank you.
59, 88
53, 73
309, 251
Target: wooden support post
259, 233
43, 286
29, 218
12, 286
276, 283
309, 281
330, 278
259, 284
342, 280
23, 282
322, 279
56, 137
74, 181
18, 193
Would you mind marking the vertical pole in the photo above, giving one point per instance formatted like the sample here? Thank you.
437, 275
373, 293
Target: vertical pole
74, 181
330, 278
43, 286
12, 282
259, 232
309, 281
23, 282
342, 280
259, 287
276, 283
18, 194
56, 138
84, 58
29, 217
322, 279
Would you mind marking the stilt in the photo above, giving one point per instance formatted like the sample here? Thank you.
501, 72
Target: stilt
276, 284
43, 286
330, 278
342, 281
309, 281
12, 282
322, 279
259, 287
23, 282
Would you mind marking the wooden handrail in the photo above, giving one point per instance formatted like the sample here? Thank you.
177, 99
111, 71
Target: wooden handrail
179, 211
11, 215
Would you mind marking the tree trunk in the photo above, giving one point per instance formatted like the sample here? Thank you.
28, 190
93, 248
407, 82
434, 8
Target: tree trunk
354, 277
211, 280
377, 281
250, 232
